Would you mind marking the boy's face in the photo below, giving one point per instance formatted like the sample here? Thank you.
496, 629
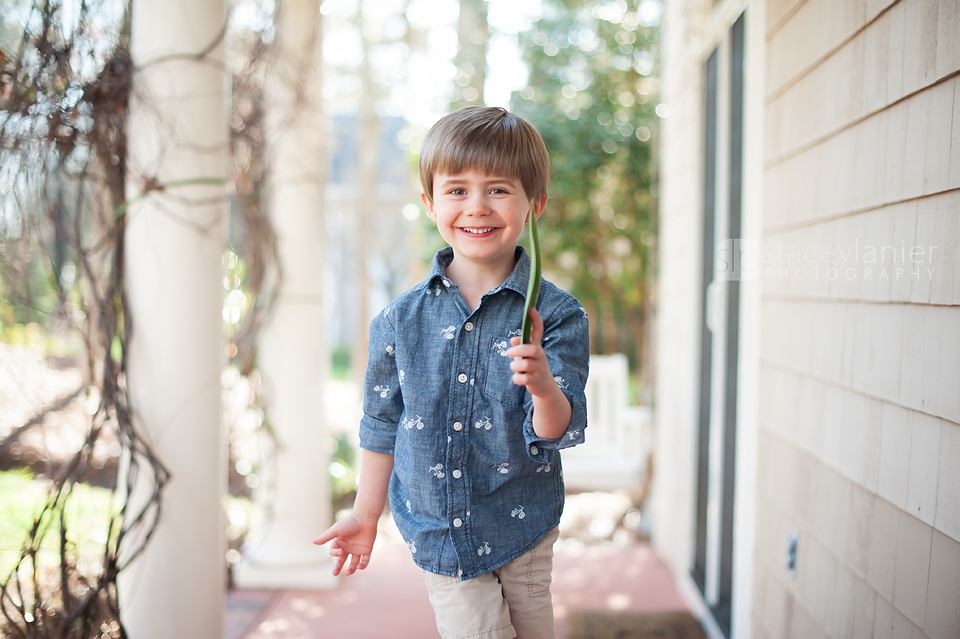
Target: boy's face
481, 216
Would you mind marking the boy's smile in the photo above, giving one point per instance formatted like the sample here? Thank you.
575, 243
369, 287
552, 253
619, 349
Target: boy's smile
472, 231
481, 216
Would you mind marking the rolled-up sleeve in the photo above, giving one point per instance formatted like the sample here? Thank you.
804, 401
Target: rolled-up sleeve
382, 400
566, 342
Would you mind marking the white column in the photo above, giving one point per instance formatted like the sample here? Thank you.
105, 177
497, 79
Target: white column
292, 354
175, 240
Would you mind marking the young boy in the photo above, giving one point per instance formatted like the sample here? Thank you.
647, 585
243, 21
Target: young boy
462, 423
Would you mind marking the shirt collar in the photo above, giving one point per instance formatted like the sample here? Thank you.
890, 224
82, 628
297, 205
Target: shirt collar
516, 281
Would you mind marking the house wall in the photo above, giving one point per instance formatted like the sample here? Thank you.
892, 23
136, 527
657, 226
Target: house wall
859, 445
858, 402
678, 315
689, 33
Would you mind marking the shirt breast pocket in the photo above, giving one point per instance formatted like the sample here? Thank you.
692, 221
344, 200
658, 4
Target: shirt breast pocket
498, 384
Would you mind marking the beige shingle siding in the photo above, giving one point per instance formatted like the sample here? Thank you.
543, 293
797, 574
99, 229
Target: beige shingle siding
860, 147
859, 390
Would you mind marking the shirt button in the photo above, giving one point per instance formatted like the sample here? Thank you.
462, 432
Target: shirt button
457, 426
534, 450
468, 326
457, 474
457, 522
446, 283
462, 378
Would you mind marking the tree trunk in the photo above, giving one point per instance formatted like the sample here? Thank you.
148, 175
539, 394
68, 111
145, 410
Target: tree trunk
473, 32
368, 160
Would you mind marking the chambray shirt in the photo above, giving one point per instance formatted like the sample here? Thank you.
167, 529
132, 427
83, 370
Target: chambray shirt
473, 487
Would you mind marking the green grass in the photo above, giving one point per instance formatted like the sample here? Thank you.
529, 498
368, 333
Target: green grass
340, 363
87, 517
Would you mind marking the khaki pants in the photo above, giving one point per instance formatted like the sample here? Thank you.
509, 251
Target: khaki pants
512, 601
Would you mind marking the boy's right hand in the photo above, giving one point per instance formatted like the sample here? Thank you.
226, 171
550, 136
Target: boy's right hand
352, 538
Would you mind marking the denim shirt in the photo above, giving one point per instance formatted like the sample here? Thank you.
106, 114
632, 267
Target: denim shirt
473, 486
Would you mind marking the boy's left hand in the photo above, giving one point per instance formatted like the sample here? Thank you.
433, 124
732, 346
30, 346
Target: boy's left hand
529, 365
551, 408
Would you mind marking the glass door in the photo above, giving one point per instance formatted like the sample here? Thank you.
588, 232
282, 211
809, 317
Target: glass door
712, 568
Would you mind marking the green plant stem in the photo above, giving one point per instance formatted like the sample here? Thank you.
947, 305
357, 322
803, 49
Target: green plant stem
533, 285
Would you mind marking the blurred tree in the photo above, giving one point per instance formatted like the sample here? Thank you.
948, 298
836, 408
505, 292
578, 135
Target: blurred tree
368, 159
593, 94
473, 33
371, 83
11, 31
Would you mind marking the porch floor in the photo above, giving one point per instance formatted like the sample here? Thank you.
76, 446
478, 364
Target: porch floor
389, 598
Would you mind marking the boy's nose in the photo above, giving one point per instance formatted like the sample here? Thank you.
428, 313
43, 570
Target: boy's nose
477, 205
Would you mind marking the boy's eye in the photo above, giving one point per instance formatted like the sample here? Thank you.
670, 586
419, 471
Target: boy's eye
457, 192
498, 190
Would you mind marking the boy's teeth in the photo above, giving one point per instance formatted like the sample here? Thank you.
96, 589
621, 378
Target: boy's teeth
477, 231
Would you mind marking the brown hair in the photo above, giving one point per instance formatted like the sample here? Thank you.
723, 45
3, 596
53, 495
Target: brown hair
489, 139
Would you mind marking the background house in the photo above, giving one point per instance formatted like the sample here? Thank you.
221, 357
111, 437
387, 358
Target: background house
386, 241
808, 385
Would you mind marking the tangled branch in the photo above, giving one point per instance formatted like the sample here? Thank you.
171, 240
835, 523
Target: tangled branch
64, 105
64, 99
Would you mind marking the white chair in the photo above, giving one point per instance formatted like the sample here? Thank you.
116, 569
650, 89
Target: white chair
618, 436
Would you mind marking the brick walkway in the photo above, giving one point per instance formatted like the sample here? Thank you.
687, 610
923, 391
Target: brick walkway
389, 599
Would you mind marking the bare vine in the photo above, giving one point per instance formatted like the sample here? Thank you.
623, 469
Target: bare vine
64, 104
252, 235
63, 149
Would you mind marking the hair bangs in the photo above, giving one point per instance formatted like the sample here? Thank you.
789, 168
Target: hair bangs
493, 158
486, 139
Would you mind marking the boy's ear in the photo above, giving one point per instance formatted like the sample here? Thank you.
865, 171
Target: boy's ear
539, 205
429, 206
